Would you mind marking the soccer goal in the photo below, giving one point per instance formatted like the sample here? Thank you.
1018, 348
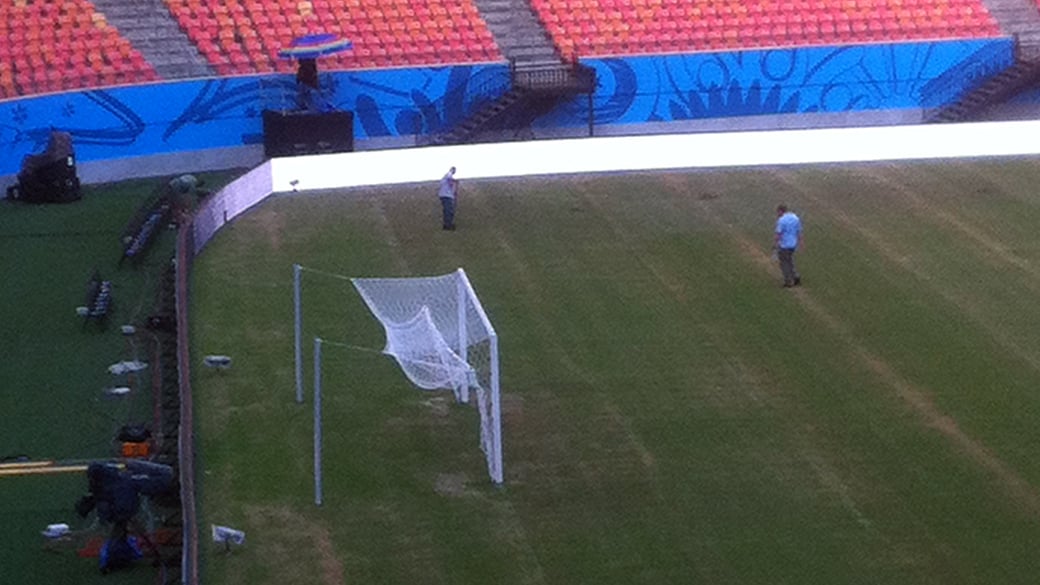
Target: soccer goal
441, 337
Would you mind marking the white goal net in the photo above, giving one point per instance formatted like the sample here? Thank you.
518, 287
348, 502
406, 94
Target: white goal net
441, 337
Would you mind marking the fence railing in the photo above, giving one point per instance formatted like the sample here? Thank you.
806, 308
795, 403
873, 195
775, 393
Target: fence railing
185, 438
967, 75
570, 76
462, 102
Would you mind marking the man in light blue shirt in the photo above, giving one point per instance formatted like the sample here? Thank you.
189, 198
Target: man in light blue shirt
788, 237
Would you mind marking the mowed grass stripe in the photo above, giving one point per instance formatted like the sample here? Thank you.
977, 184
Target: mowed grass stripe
751, 320
986, 373
595, 467
951, 365
840, 486
807, 290
659, 426
613, 444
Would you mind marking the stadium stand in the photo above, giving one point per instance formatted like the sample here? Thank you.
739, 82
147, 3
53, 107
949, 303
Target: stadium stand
609, 27
57, 46
244, 36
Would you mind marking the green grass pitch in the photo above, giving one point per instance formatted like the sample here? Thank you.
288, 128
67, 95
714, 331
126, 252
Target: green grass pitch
54, 369
671, 414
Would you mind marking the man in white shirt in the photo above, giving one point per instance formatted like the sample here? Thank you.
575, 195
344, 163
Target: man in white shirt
447, 192
788, 237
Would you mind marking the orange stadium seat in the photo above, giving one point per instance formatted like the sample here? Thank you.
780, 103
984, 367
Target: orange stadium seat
47, 50
709, 25
384, 32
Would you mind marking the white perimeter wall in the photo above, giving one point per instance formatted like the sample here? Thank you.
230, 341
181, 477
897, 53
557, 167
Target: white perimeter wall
614, 154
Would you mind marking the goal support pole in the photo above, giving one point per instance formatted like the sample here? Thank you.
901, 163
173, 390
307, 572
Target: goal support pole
298, 324
318, 489
497, 475
463, 348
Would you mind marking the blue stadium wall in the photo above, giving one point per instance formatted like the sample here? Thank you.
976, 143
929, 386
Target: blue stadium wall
198, 115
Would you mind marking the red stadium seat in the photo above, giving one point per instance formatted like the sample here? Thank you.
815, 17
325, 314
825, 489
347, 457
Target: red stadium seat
792, 22
243, 35
57, 43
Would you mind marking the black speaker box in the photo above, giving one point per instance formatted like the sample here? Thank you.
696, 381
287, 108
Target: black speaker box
49, 177
299, 133
54, 182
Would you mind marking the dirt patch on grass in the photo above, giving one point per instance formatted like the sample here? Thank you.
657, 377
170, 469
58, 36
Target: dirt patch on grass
216, 416
512, 536
438, 405
452, 485
312, 546
646, 457
272, 224
437, 412
391, 236
512, 406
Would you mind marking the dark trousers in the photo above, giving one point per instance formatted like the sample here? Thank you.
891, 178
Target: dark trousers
786, 256
448, 210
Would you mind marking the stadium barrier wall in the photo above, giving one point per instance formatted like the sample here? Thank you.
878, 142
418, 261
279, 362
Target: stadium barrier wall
229, 202
776, 82
612, 154
146, 130
656, 152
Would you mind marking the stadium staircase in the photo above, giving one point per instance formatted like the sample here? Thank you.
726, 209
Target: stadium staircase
539, 78
530, 94
1023, 74
1021, 20
154, 32
520, 36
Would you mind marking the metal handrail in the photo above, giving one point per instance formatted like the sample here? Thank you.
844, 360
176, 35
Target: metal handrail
966, 76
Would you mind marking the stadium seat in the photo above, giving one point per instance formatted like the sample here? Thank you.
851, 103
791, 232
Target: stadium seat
45, 51
384, 32
756, 23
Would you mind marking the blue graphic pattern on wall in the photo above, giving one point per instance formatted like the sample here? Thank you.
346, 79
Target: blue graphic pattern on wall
768, 82
206, 114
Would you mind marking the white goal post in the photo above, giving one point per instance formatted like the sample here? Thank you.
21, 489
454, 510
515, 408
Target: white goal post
441, 337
